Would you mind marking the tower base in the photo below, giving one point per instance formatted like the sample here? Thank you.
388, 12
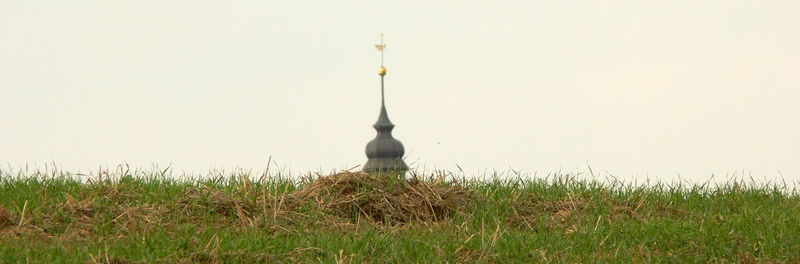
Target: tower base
385, 165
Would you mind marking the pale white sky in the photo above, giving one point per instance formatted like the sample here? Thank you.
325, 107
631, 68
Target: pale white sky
636, 88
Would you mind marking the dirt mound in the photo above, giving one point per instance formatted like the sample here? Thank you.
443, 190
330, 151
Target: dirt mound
384, 198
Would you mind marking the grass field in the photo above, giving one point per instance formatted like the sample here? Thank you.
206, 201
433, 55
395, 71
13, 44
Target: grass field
359, 218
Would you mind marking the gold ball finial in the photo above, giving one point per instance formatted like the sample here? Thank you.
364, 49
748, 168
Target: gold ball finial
382, 71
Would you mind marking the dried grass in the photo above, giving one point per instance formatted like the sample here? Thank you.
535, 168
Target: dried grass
5, 219
215, 201
561, 213
384, 199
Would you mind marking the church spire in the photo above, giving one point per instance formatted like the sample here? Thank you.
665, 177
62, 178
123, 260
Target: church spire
383, 118
384, 153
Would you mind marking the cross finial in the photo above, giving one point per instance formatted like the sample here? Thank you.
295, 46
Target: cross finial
380, 48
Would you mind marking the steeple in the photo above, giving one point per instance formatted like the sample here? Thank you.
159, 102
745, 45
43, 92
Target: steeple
384, 153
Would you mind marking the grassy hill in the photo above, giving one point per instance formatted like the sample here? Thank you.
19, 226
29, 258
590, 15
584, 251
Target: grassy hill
362, 218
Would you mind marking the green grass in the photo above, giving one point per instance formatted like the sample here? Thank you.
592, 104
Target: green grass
152, 218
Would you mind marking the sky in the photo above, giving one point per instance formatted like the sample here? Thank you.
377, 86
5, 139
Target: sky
640, 90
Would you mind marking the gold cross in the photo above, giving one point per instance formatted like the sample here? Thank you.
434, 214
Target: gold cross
380, 48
